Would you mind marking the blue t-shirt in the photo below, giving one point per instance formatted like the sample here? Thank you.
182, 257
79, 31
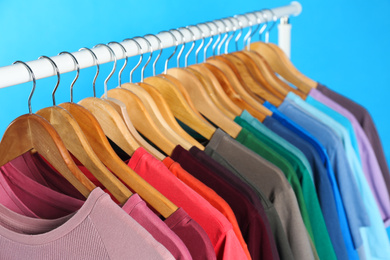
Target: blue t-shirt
321, 182
352, 251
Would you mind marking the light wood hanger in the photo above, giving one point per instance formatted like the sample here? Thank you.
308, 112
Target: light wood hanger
154, 112
206, 84
121, 108
99, 143
77, 144
218, 90
260, 65
283, 66
180, 107
260, 112
32, 131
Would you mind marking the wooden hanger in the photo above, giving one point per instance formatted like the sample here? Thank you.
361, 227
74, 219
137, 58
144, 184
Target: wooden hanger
203, 103
260, 112
167, 114
107, 155
247, 83
218, 90
77, 144
156, 115
32, 131
99, 143
258, 65
142, 120
283, 66
180, 107
206, 84
235, 83
121, 109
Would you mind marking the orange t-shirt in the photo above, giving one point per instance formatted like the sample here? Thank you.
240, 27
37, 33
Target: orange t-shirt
208, 194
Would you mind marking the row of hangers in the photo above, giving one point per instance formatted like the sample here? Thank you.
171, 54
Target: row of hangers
203, 96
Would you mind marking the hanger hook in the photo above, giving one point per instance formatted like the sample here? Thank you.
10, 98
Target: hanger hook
201, 44
150, 57
95, 61
124, 64
241, 28
140, 58
192, 46
249, 31
34, 83
274, 19
159, 54
174, 51
262, 28
208, 44
231, 35
182, 47
77, 74
224, 37
112, 54
219, 36
58, 77
254, 30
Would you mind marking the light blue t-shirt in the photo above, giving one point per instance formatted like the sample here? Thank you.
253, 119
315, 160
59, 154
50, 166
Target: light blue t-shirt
263, 129
284, 120
374, 236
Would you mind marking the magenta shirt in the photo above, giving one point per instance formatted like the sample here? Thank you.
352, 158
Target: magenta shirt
370, 163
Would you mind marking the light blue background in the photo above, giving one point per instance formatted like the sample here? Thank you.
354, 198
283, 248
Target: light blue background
343, 44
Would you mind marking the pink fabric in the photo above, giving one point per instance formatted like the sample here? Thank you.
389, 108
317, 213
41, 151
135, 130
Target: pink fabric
218, 228
98, 230
40, 201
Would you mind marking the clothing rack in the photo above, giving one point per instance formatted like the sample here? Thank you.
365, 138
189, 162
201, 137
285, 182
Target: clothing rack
17, 73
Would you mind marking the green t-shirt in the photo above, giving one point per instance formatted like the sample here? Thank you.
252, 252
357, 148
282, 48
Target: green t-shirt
300, 180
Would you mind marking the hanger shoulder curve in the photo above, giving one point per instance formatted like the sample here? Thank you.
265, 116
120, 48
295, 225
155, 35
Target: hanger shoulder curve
121, 109
76, 143
166, 112
34, 132
203, 103
180, 107
141, 119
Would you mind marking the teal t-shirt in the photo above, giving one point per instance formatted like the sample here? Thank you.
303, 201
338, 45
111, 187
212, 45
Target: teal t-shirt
305, 187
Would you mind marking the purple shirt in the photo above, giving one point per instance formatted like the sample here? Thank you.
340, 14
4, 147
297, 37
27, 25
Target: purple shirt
370, 163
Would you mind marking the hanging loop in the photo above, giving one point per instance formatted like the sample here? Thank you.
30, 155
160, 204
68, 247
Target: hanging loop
173, 53
208, 44
150, 57
140, 58
95, 62
182, 47
77, 74
112, 54
274, 19
219, 36
159, 54
32, 75
58, 77
201, 44
191, 48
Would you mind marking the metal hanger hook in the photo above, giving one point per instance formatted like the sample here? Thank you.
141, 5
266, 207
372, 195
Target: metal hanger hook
231, 35
249, 31
124, 64
258, 20
182, 47
224, 37
159, 54
208, 44
140, 58
219, 36
241, 28
150, 57
192, 46
112, 54
174, 51
262, 28
274, 19
201, 44
58, 77
77, 74
96, 62
34, 83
